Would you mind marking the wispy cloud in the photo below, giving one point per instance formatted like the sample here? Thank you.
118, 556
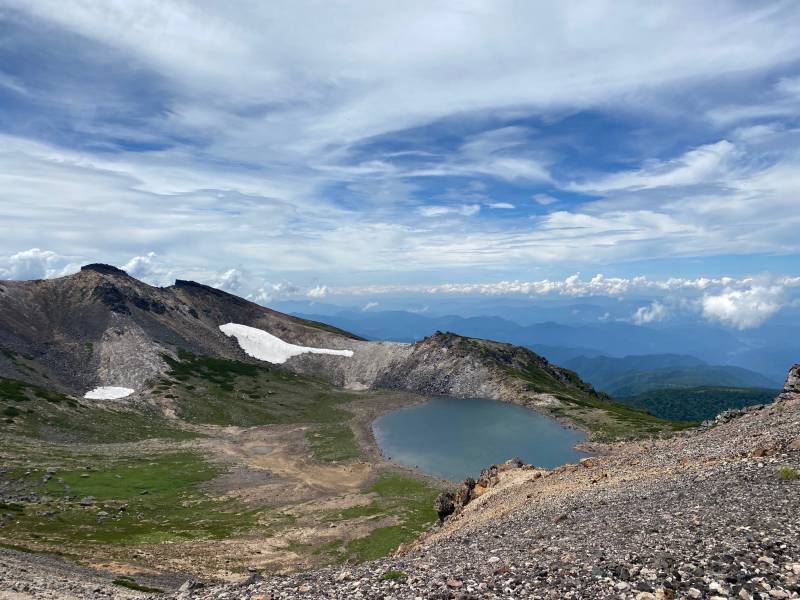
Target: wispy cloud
700, 165
299, 150
465, 210
544, 199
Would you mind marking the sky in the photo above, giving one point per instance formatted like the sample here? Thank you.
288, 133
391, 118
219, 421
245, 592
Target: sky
316, 149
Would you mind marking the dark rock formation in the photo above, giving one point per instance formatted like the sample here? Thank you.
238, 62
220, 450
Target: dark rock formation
451, 503
103, 269
110, 295
444, 505
149, 304
792, 385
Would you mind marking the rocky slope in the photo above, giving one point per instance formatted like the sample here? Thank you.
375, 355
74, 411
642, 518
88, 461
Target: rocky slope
710, 513
101, 327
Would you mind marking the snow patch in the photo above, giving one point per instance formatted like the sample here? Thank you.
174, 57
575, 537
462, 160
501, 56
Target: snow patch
265, 346
108, 393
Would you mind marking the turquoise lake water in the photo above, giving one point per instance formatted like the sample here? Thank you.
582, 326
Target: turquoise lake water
455, 438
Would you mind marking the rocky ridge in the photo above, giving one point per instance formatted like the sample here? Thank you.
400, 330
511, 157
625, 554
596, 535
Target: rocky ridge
710, 513
102, 327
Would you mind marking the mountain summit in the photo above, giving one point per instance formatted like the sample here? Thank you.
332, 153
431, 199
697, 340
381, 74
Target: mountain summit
102, 328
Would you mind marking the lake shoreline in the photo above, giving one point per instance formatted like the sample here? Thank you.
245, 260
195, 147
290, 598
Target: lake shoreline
447, 428
366, 411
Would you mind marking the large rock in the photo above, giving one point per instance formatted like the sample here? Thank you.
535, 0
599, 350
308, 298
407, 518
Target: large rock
444, 505
792, 385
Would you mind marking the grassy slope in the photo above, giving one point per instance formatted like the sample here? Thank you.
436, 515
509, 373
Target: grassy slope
175, 507
33, 411
596, 412
147, 499
405, 498
225, 392
327, 327
697, 404
397, 494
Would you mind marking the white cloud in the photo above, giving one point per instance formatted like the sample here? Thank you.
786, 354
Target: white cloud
140, 266
744, 309
501, 205
783, 100
335, 69
544, 199
262, 117
369, 306
268, 292
35, 264
704, 164
149, 269
789, 86
464, 210
231, 280
319, 291
652, 313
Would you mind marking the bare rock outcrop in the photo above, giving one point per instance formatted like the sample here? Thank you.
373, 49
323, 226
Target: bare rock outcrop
792, 385
104, 327
452, 502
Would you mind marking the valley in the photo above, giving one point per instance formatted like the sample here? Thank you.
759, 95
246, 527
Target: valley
269, 488
451, 300
153, 436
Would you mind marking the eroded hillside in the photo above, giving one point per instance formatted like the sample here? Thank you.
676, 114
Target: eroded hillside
706, 514
101, 327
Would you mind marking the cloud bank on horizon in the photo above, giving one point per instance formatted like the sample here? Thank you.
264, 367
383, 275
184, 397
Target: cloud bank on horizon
742, 303
343, 146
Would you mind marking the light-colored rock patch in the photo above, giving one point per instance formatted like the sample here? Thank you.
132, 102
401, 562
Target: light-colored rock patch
128, 357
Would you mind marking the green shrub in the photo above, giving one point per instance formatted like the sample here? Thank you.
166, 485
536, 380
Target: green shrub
11, 411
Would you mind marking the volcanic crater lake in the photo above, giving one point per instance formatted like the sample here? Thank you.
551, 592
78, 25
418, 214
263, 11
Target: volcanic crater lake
455, 438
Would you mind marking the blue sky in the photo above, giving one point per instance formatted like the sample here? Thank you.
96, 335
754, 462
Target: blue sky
332, 147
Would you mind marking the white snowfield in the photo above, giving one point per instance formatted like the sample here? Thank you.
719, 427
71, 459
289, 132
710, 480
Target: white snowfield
265, 346
108, 393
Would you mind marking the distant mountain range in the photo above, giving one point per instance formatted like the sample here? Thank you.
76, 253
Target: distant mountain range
769, 352
101, 333
697, 403
632, 375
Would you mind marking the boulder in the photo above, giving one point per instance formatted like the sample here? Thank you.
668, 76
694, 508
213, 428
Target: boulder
792, 385
444, 505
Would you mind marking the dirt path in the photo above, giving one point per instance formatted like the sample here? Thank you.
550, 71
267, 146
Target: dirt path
273, 466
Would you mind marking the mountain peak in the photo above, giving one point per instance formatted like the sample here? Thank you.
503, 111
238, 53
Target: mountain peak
104, 269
